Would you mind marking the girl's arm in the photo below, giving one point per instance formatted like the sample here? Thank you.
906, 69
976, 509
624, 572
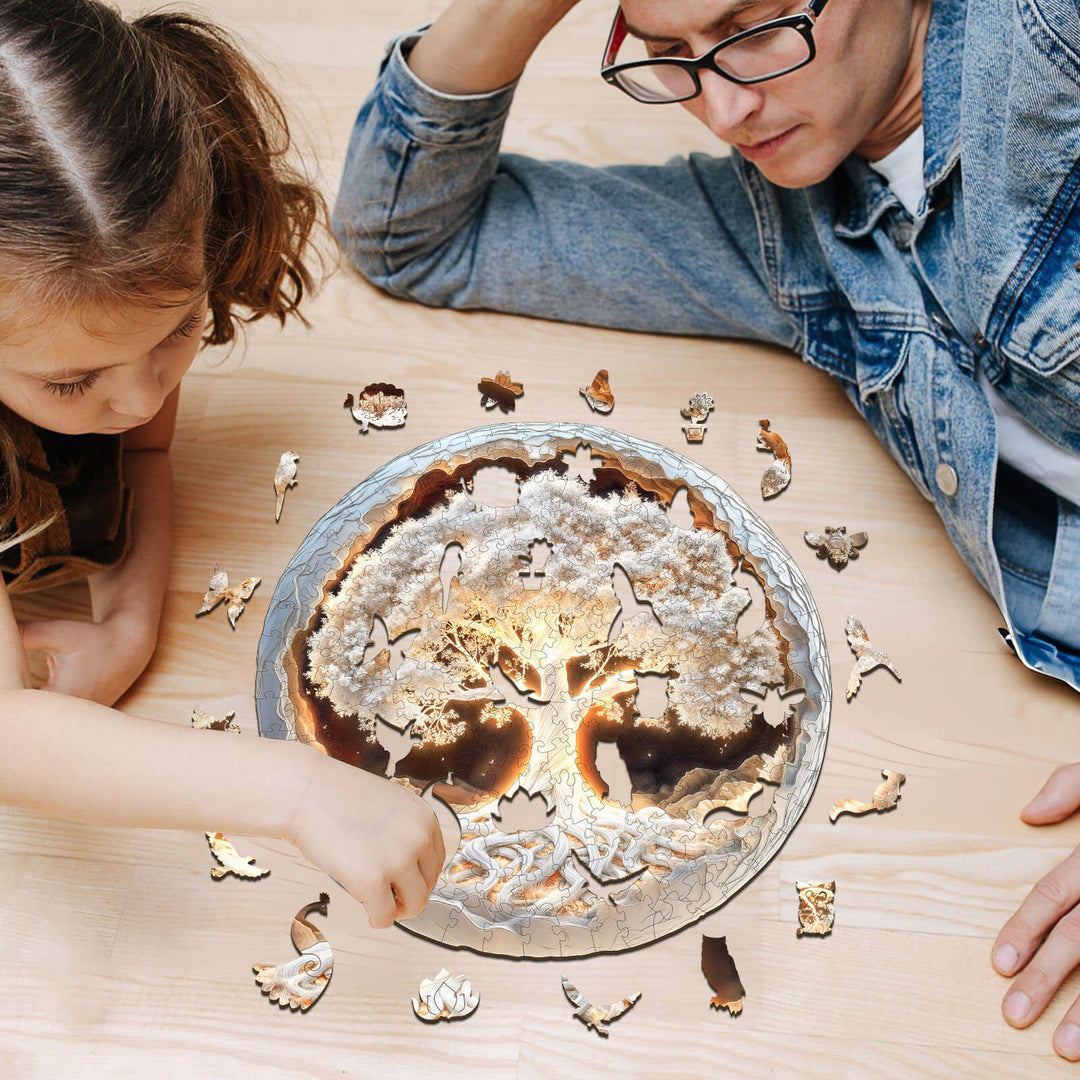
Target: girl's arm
80, 761
99, 660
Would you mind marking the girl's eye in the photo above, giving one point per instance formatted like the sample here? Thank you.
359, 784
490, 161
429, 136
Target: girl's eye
79, 386
195, 322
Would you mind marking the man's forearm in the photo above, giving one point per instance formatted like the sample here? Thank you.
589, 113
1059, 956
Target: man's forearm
85, 762
480, 45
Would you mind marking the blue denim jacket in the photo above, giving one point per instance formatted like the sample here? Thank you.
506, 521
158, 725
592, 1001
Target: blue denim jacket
901, 311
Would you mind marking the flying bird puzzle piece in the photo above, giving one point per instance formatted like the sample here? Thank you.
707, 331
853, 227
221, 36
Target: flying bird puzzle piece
379, 405
298, 983
446, 997
598, 393
284, 478
866, 656
720, 971
885, 797
501, 391
778, 475
232, 862
219, 590
595, 1016
203, 720
835, 544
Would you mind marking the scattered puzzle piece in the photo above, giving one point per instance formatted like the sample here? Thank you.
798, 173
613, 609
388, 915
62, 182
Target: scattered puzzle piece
379, 405
298, 983
501, 391
885, 797
722, 975
815, 907
284, 478
231, 860
219, 590
866, 656
835, 545
203, 720
446, 997
598, 393
596, 1017
778, 475
697, 412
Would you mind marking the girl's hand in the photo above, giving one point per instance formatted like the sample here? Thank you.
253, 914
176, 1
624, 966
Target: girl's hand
97, 661
375, 838
1042, 940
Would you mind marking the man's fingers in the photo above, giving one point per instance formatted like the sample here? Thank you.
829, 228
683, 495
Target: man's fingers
1052, 896
1067, 1036
1059, 797
1036, 984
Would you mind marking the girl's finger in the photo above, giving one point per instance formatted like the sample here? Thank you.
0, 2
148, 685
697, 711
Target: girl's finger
380, 905
1059, 797
412, 893
430, 865
1036, 984
1052, 896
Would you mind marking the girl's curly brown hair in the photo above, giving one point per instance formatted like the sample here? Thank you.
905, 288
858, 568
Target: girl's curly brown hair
142, 161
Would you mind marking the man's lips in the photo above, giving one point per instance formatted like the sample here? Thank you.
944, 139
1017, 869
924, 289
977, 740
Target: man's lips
758, 151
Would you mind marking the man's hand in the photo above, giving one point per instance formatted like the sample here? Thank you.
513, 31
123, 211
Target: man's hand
1042, 940
97, 661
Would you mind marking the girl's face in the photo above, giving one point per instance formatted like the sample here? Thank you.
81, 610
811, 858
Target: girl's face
103, 372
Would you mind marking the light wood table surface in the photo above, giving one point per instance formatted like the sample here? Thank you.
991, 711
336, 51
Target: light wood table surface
123, 959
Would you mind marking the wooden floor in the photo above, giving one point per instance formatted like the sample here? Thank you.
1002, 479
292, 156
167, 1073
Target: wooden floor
123, 959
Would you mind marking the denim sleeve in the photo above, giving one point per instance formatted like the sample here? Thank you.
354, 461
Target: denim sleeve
429, 210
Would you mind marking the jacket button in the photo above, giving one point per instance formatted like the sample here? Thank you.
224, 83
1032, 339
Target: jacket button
978, 339
946, 479
902, 233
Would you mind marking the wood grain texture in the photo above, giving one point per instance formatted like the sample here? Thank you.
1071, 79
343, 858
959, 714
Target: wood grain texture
123, 959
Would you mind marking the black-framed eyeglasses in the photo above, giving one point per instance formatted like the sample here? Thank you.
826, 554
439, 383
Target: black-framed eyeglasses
762, 52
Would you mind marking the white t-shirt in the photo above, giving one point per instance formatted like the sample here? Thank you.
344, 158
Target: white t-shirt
1019, 444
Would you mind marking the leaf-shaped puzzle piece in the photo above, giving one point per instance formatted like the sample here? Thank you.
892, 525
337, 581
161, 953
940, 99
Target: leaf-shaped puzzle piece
298, 983
885, 797
219, 590
866, 656
501, 391
596, 1017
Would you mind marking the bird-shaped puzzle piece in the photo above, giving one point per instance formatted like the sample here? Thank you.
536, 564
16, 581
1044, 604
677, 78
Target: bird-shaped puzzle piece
298, 983
866, 656
595, 1016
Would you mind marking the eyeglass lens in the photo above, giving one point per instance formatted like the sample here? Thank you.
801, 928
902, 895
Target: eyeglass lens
766, 53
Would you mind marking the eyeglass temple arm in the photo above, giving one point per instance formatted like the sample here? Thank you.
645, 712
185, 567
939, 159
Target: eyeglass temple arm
615, 38
816, 7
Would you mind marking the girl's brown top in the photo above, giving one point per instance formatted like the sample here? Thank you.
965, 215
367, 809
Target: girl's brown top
76, 481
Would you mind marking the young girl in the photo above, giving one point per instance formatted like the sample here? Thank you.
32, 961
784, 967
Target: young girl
144, 205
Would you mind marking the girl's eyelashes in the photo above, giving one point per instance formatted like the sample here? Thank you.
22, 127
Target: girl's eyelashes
79, 386
193, 323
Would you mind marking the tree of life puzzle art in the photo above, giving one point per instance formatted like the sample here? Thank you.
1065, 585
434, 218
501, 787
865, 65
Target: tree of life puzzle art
510, 658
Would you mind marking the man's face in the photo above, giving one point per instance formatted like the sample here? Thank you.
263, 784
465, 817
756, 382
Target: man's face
796, 129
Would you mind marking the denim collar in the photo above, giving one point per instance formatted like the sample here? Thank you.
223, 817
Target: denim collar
865, 196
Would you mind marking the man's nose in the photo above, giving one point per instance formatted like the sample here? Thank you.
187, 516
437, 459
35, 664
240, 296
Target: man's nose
728, 105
